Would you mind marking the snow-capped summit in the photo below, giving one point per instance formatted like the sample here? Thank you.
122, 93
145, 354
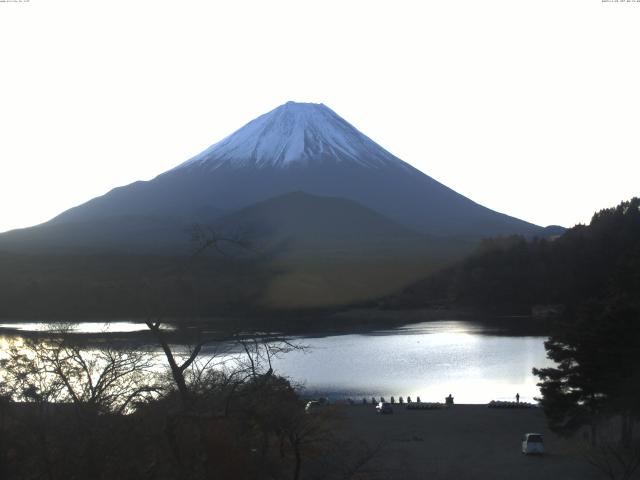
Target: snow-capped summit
294, 133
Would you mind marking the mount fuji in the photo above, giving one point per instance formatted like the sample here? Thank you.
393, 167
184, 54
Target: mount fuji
297, 147
337, 219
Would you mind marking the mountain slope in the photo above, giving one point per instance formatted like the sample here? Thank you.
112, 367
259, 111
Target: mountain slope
303, 251
330, 251
124, 233
299, 222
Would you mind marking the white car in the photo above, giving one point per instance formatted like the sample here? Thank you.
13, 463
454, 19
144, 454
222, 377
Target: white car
311, 406
384, 408
532, 444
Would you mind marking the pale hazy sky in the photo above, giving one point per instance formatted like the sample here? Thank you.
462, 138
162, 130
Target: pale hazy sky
529, 107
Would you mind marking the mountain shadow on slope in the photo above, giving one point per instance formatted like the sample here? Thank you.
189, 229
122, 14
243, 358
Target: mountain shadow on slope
297, 224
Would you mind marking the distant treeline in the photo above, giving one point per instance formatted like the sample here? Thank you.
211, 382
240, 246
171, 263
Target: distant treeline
45, 286
507, 274
513, 274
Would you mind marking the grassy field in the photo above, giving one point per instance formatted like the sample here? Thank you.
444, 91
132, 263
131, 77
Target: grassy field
464, 442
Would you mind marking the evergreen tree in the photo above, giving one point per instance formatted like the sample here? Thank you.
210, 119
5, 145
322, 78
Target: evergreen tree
598, 369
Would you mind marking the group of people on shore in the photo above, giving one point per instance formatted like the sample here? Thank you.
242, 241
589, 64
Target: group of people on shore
448, 401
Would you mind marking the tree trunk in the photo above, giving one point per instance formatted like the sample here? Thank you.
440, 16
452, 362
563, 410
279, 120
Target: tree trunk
298, 457
3, 473
626, 429
177, 372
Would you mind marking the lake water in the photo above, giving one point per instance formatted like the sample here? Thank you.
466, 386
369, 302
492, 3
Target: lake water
430, 360
472, 362
82, 327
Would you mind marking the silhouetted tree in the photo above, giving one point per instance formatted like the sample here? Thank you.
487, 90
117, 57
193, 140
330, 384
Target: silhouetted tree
60, 368
65, 392
597, 372
613, 459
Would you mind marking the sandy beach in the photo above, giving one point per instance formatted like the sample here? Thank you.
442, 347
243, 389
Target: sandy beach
464, 442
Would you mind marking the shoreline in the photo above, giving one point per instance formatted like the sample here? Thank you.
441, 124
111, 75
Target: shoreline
351, 321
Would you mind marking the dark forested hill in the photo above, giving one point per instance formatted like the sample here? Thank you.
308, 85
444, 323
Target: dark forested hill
587, 262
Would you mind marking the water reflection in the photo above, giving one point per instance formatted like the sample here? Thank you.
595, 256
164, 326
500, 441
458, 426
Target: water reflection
473, 362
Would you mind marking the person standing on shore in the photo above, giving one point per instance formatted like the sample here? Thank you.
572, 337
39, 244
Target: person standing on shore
517, 398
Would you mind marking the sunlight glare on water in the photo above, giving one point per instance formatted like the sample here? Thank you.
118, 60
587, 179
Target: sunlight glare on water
81, 327
429, 360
